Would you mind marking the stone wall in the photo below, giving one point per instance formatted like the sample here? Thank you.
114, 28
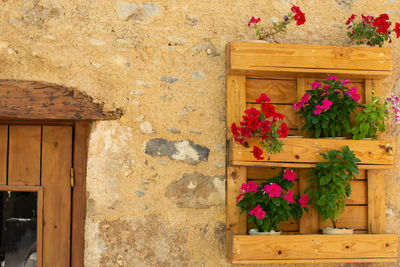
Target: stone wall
156, 177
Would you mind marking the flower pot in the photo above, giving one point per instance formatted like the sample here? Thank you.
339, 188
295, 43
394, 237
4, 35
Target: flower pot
256, 232
337, 231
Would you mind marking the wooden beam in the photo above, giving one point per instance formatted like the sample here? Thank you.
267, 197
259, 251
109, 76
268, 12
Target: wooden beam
235, 222
28, 100
307, 150
314, 247
376, 202
3, 153
301, 165
235, 100
309, 220
294, 60
82, 131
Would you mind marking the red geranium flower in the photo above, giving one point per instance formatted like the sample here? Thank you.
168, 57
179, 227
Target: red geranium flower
267, 109
397, 30
257, 152
263, 98
353, 16
299, 17
382, 24
235, 129
367, 19
304, 201
283, 131
253, 20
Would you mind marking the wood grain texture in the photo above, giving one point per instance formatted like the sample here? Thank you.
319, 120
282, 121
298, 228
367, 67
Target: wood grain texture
27, 100
310, 247
279, 91
309, 220
376, 202
81, 134
293, 59
301, 165
3, 153
307, 150
235, 100
354, 217
56, 167
235, 222
24, 155
359, 194
40, 228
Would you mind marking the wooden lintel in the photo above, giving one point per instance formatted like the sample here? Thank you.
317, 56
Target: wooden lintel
34, 100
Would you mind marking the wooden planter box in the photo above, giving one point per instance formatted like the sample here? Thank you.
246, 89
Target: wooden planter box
284, 73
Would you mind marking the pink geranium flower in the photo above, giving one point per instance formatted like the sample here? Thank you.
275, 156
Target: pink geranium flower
289, 196
289, 175
315, 85
273, 190
305, 98
318, 109
346, 82
258, 212
326, 104
247, 188
332, 77
304, 201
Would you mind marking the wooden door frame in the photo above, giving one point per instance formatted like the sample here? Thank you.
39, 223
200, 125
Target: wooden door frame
35, 102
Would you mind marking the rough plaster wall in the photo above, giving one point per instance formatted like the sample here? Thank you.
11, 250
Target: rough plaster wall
162, 62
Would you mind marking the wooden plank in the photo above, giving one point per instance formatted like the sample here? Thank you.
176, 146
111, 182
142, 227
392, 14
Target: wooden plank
262, 173
300, 165
24, 155
27, 100
293, 59
39, 227
235, 222
235, 100
56, 167
279, 91
307, 150
81, 134
309, 220
3, 153
376, 202
354, 217
308, 261
311, 247
359, 194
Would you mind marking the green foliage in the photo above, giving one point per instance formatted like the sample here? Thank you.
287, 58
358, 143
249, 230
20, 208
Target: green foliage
365, 33
277, 209
371, 120
330, 182
335, 120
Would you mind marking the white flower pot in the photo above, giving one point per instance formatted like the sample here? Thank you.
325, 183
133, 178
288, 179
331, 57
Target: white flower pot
256, 232
337, 231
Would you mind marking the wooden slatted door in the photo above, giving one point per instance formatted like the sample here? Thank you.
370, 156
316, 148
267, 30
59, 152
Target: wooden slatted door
41, 156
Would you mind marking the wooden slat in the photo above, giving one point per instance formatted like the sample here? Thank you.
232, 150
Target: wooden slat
306, 150
235, 100
376, 202
354, 217
56, 167
301, 165
27, 100
359, 194
308, 261
82, 130
312, 247
3, 153
262, 173
293, 59
235, 222
279, 91
39, 238
309, 220
24, 155
287, 110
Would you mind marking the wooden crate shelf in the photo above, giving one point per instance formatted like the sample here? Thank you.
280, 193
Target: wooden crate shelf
284, 73
314, 248
305, 153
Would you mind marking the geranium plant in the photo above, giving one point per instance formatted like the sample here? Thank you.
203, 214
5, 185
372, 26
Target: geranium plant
265, 124
330, 183
394, 101
264, 32
371, 120
370, 30
326, 107
269, 204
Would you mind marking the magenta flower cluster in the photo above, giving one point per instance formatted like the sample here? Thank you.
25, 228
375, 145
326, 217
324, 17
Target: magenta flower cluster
394, 101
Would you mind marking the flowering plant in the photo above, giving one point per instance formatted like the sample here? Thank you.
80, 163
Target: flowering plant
371, 31
265, 124
263, 32
269, 204
330, 183
326, 108
371, 120
394, 101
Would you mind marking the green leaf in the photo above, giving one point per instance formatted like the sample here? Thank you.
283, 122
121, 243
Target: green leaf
325, 180
276, 201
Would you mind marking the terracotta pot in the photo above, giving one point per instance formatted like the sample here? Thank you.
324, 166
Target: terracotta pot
256, 232
337, 231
